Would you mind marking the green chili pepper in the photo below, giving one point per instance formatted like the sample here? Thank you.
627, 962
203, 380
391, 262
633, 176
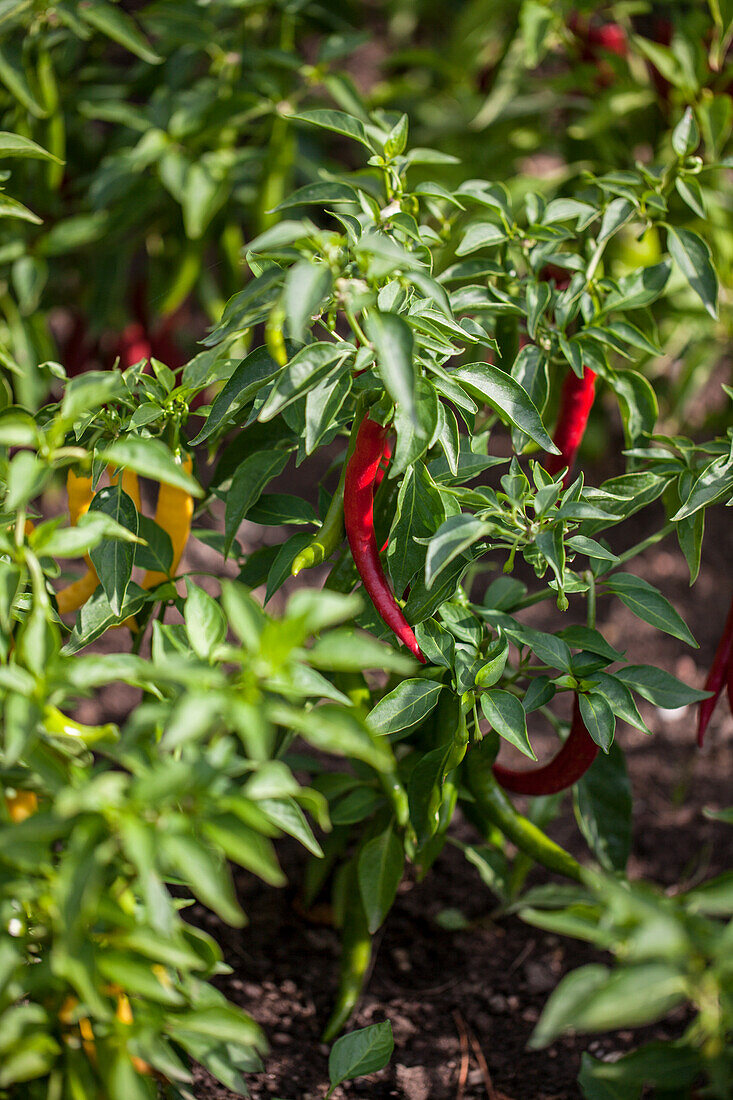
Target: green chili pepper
330, 534
494, 806
356, 955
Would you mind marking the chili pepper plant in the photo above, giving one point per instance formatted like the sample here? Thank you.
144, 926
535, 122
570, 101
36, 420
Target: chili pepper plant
435, 351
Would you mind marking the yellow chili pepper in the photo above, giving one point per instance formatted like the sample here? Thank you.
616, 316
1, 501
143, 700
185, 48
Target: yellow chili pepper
173, 513
130, 485
76, 594
81, 493
124, 1015
21, 805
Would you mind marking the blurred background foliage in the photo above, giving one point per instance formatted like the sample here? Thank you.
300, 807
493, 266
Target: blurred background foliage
172, 122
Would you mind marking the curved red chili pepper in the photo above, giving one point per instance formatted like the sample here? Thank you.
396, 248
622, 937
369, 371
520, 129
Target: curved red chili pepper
566, 768
381, 474
361, 474
720, 671
729, 685
575, 404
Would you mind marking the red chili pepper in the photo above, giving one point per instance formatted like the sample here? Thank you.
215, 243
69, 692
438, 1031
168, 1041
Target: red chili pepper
575, 405
721, 671
361, 475
133, 345
566, 768
383, 464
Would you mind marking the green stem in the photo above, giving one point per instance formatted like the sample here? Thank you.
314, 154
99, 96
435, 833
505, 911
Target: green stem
351, 318
591, 599
495, 808
330, 534
652, 540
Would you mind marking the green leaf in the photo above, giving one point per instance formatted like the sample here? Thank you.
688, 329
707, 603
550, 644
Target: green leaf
274, 509
277, 237
454, 536
206, 625
349, 650
715, 482
245, 846
638, 401
616, 214
561, 210
222, 1022
248, 482
618, 696
592, 549
603, 808
206, 876
419, 509
306, 286
686, 136
333, 729
659, 687
339, 122
120, 27
690, 192
481, 235
322, 407
13, 76
203, 194
96, 616
648, 603
305, 369
113, 559
595, 999
393, 344
151, 458
405, 706
157, 555
380, 868
11, 208
13, 145
251, 375
638, 290
633, 336
89, 391
327, 193
510, 400
692, 255
280, 570
714, 897
505, 713
669, 1067
598, 718
287, 815
359, 1053
425, 791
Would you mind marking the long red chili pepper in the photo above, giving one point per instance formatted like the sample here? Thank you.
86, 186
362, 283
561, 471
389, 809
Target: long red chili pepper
575, 405
721, 671
383, 464
566, 768
361, 475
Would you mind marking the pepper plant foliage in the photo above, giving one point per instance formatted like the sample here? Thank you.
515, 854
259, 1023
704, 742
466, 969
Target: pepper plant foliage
449, 309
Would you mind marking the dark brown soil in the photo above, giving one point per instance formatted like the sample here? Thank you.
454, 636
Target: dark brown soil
476, 994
